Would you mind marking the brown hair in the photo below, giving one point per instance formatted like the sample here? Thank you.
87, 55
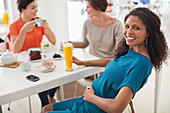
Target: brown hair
22, 4
99, 4
156, 43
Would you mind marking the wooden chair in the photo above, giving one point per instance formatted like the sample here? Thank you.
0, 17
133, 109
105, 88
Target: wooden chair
129, 108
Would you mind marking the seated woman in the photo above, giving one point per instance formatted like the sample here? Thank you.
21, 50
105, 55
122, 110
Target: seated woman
143, 47
24, 34
101, 32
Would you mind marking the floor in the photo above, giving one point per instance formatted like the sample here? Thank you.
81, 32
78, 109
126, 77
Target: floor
144, 100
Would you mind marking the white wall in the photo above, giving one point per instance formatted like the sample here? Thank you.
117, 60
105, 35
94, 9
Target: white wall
55, 12
11, 8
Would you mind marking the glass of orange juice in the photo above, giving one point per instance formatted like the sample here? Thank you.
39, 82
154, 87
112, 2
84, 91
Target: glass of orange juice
5, 18
68, 47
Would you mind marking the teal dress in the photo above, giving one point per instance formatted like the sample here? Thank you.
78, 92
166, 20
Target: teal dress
131, 70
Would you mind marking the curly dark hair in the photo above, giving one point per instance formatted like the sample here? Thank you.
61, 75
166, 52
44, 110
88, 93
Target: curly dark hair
22, 4
99, 4
156, 43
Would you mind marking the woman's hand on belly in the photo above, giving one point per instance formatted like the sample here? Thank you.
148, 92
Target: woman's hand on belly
88, 93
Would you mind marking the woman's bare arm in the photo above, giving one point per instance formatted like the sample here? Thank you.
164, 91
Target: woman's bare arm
18, 41
48, 32
116, 105
100, 62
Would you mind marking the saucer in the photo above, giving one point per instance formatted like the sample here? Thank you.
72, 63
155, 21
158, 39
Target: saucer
34, 61
34, 49
43, 69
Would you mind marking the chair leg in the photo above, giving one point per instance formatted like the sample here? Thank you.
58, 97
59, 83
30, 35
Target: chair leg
75, 89
29, 99
61, 93
9, 105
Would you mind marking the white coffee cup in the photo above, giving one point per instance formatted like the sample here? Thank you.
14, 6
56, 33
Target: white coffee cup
47, 64
39, 21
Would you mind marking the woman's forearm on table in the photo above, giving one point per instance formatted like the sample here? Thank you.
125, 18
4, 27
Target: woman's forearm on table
78, 45
100, 62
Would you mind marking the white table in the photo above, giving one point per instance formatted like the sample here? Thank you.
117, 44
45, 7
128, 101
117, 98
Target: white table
14, 85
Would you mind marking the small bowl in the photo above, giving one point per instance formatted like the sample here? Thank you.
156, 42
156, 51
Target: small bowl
26, 66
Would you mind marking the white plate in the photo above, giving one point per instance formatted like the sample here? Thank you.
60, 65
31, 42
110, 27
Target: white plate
43, 69
32, 61
39, 60
34, 49
57, 58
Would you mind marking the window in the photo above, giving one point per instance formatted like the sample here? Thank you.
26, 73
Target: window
76, 17
2, 10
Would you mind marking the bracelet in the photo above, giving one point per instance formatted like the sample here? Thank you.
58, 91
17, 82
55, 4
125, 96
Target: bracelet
85, 63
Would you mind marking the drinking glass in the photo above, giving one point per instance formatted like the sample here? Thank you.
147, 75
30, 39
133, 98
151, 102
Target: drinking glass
5, 18
68, 47
45, 48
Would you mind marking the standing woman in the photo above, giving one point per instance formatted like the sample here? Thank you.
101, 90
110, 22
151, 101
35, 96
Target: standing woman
100, 32
143, 47
24, 34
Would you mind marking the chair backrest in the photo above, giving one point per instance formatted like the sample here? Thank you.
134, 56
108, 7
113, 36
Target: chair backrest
129, 108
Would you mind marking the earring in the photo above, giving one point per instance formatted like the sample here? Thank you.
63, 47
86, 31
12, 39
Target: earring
146, 40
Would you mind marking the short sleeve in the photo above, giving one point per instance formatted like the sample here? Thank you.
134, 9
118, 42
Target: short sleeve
118, 32
13, 30
137, 76
43, 30
85, 40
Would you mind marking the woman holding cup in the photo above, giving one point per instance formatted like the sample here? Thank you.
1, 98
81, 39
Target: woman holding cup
24, 34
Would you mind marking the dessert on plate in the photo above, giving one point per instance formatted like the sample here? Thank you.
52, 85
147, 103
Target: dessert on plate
35, 55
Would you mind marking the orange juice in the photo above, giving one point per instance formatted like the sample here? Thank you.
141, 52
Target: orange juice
68, 47
5, 18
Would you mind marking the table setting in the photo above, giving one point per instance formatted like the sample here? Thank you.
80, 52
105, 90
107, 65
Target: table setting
51, 71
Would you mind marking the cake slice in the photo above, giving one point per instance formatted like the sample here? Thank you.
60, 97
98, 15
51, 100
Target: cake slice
35, 55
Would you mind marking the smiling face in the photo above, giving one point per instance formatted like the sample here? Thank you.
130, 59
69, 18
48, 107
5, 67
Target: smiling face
31, 10
135, 32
